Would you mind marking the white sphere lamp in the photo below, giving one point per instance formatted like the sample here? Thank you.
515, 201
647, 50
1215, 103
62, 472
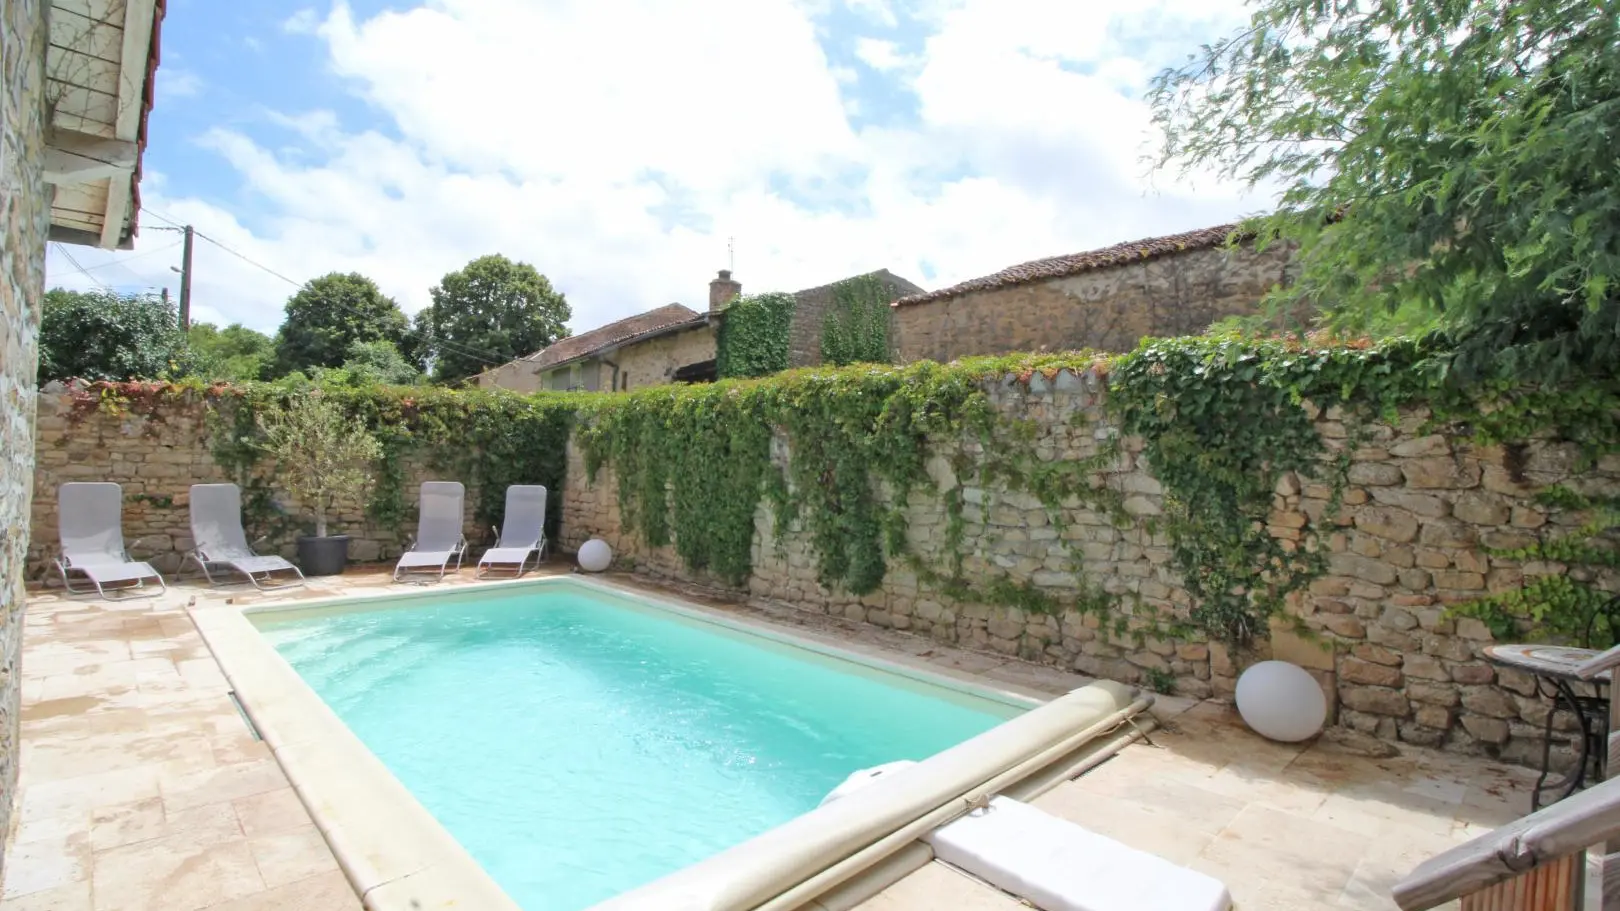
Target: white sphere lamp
1280, 701
595, 555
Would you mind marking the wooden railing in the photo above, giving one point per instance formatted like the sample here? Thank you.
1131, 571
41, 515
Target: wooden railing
1533, 864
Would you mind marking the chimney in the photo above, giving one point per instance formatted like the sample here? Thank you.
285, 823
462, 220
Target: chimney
722, 290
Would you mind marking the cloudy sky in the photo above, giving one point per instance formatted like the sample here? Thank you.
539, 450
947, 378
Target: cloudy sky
621, 145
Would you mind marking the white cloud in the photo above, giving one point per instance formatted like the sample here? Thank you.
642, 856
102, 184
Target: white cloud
878, 11
619, 160
174, 82
882, 56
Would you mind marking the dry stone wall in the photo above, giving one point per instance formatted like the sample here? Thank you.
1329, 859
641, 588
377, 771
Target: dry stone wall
1409, 541
156, 460
24, 199
1108, 309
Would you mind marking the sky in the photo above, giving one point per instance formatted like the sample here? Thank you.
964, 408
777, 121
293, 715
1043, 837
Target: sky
630, 148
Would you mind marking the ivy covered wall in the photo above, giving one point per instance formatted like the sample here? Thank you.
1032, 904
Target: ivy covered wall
1167, 517
157, 440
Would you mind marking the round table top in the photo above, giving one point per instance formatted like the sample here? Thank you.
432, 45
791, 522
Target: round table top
1542, 659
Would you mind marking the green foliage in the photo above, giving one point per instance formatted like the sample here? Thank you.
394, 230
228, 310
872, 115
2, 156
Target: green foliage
102, 335
694, 462
379, 363
1160, 680
489, 312
754, 336
1450, 158
1563, 604
323, 457
330, 314
856, 327
487, 439
235, 354
1221, 423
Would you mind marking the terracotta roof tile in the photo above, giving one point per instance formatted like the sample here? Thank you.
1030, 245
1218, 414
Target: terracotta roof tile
586, 344
1075, 263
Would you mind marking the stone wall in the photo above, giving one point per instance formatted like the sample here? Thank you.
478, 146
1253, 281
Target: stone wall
654, 362
810, 316
156, 461
1109, 309
1406, 544
23, 196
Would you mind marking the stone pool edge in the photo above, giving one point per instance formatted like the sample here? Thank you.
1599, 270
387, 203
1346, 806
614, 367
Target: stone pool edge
395, 854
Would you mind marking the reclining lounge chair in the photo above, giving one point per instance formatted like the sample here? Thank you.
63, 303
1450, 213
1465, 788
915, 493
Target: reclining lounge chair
90, 517
438, 537
522, 534
222, 547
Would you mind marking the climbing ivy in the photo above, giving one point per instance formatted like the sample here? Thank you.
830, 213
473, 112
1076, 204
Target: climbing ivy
487, 439
693, 463
856, 326
754, 336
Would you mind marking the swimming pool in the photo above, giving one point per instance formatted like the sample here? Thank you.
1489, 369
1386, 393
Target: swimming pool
579, 743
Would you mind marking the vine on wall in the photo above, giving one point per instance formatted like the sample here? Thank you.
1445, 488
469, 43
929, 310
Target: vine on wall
487, 439
754, 335
855, 329
693, 463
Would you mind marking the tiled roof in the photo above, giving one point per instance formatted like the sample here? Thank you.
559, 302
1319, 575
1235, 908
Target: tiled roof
1075, 263
669, 316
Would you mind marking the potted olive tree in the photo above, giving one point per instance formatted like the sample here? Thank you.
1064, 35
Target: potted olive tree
323, 459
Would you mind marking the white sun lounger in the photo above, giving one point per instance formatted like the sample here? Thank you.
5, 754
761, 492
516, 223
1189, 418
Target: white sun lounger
90, 519
220, 545
523, 532
1057, 865
438, 537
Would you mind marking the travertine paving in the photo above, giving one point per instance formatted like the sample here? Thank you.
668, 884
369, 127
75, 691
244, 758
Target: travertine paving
143, 788
1285, 827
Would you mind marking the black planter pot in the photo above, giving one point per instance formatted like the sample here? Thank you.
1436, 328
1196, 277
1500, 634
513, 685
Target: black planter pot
323, 556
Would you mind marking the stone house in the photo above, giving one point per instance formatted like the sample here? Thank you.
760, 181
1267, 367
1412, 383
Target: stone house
670, 344
1106, 299
76, 82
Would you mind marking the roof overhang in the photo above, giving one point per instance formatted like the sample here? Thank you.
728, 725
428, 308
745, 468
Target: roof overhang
99, 68
701, 321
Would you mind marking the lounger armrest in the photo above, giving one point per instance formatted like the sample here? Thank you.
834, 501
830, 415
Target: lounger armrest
129, 549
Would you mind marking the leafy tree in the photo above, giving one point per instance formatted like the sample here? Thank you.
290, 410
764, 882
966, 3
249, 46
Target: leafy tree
235, 353
491, 311
380, 362
1450, 156
323, 458
103, 335
331, 313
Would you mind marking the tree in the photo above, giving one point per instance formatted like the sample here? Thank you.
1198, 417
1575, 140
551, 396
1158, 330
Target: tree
380, 362
323, 458
331, 313
103, 335
234, 354
490, 312
1454, 157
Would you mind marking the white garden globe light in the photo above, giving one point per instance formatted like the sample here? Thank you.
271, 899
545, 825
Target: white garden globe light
1280, 701
595, 555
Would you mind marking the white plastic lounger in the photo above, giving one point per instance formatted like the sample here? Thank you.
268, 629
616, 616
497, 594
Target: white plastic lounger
90, 518
523, 532
438, 532
1059, 866
220, 545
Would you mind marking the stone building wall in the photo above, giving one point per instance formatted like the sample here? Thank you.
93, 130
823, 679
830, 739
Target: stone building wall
810, 316
1407, 543
156, 461
1108, 309
26, 207
654, 361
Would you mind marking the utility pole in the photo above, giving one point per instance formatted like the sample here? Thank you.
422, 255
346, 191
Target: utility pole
185, 283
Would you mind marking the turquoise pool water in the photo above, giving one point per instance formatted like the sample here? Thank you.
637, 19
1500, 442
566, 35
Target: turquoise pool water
579, 744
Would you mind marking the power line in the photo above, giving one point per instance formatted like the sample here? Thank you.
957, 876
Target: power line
129, 259
82, 270
483, 357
